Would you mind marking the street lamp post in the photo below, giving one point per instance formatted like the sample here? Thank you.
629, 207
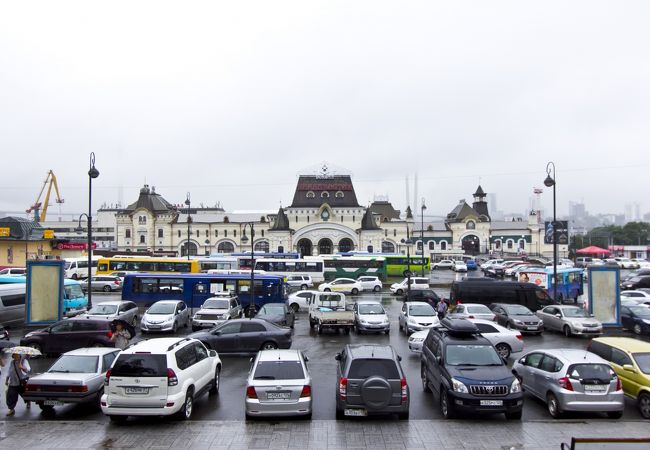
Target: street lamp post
92, 174
188, 203
244, 239
422, 209
550, 182
408, 243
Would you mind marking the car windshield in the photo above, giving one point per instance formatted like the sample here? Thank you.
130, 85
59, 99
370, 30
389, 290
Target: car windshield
272, 309
518, 310
421, 310
103, 309
472, 355
641, 311
643, 361
75, 364
590, 372
279, 370
479, 309
574, 312
216, 304
73, 291
364, 368
635, 279
371, 309
162, 308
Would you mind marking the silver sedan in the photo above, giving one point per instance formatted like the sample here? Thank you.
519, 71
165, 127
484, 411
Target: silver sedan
570, 320
505, 341
279, 384
571, 380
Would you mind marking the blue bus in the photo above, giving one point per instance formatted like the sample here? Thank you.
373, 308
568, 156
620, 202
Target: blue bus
146, 289
73, 297
569, 283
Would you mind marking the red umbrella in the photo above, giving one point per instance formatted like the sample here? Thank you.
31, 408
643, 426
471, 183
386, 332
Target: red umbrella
593, 250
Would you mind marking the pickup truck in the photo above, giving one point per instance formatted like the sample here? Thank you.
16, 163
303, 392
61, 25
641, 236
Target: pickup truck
327, 311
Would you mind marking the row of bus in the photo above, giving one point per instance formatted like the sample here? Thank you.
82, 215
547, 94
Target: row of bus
321, 268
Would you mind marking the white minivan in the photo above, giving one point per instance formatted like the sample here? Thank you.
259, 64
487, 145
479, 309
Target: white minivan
12, 303
416, 283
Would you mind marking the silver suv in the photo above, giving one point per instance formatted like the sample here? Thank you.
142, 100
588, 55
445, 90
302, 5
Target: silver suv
370, 381
160, 377
215, 311
302, 282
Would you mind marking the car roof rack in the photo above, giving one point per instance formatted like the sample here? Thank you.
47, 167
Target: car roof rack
177, 343
459, 327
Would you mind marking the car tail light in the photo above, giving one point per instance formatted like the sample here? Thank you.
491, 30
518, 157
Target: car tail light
78, 389
306, 391
171, 378
565, 383
117, 282
404, 389
251, 393
471, 317
520, 337
619, 386
343, 388
108, 377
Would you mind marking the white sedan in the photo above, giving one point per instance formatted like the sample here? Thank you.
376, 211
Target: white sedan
416, 340
443, 264
626, 263
372, 284
345, 285
643, 263
298, 300
459, 266
505, 341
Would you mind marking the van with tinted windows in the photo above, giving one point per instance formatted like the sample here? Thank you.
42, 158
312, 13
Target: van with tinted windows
12, 304
490, 291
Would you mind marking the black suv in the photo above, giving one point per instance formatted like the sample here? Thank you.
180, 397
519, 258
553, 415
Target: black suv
370, 381
466, 373
422, 295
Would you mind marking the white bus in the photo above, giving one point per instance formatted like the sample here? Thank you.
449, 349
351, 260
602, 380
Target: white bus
77, 268
313, 267
208, 263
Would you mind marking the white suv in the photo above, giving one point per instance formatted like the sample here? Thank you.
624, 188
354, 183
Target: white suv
373, 284
160, 377
416, 283
302, 282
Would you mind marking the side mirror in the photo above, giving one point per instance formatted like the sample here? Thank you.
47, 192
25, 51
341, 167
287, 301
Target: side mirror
213, 353
337, 357
559, 316
217, 332
439, 360
629, 368
399, 358
251, 360
305, 358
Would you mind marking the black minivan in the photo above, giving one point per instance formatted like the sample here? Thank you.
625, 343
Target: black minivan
491, 291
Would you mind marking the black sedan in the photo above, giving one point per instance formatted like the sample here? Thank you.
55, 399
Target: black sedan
277, 313
244, 336
422, 295
636, 318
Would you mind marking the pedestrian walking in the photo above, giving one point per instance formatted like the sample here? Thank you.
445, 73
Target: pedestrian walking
16, 379
121, 336
442, 307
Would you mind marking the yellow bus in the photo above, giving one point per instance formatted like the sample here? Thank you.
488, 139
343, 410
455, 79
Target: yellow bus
106, 266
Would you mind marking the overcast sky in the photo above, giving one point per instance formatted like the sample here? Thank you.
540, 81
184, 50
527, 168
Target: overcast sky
231, 100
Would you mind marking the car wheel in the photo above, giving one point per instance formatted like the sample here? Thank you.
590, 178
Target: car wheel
134, 322
403, 416
553, 406
355, 291
376, 289
339, 414
106, 289
614, 414
503, 349
269, 346
514, 415
644, 405
214, 389
98, 399
74, 276
446, 409
327, 290
118, 419
508, 326
175, 327
303, 287
567, 331
186, 411
387, 331
399, 292
319, 328
346, 330
295, 307
637, 328
425, 380
46, 408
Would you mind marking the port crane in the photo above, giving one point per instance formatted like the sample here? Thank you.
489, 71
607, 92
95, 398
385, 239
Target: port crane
41, 213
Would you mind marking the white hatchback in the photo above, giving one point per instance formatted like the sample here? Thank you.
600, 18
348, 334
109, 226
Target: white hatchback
373, 284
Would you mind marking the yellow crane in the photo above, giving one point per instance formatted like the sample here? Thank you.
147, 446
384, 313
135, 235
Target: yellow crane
50, 180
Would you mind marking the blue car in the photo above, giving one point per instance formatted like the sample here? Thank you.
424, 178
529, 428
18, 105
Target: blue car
636, 318
471, 264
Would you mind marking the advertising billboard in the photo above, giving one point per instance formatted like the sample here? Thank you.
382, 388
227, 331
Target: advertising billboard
562, 230
44, 292
604, 293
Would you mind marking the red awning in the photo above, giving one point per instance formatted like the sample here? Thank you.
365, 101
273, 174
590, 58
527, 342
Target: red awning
593, 250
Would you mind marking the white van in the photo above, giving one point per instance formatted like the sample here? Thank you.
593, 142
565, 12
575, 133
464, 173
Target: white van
12, 303
77, 268
416, 283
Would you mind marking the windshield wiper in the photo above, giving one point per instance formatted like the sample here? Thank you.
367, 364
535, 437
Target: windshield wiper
59, 371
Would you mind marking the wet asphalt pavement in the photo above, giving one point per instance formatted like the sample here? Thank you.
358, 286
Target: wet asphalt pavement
229, 404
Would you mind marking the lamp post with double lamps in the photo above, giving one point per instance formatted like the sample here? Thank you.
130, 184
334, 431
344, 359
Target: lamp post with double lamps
550, 182
408, 242
92, 174
422, 209
251, 306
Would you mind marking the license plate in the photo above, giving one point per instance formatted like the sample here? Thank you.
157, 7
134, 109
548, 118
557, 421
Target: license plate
491, 402
594, 388
278, 395
153, 327
53, 403
531, 328
137, 390
355, 412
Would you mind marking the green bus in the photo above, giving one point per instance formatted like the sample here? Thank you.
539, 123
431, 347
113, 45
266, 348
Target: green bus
398, 265
337, 266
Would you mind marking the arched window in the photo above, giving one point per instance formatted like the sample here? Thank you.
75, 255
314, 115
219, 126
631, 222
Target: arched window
470, 225
509, 244
346, 245
443, 245
371, 249
311, 194
497, 244
325, 194
225, 247
522, 244
262, 246
142, 239
339, 194
387, 247
280, 249
418, 246
193, 249
432, 245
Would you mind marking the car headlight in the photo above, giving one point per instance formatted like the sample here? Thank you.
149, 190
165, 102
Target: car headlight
412, 321
416, 340
457, 386
518, 322
646, 321
515, 387
197, 316
577, 324
365, 322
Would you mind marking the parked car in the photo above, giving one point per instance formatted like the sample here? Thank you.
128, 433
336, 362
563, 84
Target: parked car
505, 341
442, 264
636, 295
105, 283
416, 283
70, 334
643, 263
76, 377
636, 273
165, 315
487, 291
459, 266
13, 272
636, 318
370, 382
368, 283
416, 340
416, 316
345, 285
584, 261
244, 336
571, 380
472, 311
570, 320
328, 311
121, 274
370, 316
160, 377
216, 310
626, 263
636, 283
303, 282
495, 270
471, 264
486, 265
517, 317
630, 359
422, 295
466, 373
279, 384
300, 300
112, 310
277, 313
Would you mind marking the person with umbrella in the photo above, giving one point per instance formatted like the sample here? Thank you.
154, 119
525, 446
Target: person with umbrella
121, 335
16, 379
